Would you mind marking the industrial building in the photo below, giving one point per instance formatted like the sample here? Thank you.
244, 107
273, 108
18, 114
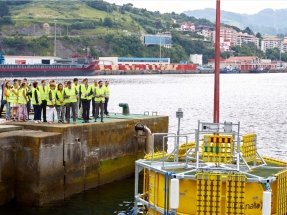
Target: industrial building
133, 60
164, 40
30, 60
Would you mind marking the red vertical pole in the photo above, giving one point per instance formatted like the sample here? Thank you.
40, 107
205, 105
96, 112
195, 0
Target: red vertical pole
217, 64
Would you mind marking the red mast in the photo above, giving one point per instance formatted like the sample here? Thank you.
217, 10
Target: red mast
217, 64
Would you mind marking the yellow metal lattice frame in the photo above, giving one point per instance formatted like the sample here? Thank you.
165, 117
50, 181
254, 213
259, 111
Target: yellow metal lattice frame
208, 194
282, 193
235, 194
217, 148
248, 148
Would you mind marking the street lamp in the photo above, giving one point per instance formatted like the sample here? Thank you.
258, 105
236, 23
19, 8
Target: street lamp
55, 39
179, 115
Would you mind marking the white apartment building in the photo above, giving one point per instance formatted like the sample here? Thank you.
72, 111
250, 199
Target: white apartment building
245, 38
229, 34
270, 43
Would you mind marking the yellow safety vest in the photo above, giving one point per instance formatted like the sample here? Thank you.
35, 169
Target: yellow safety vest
100, 92
13, 97
43, 95
53, 97
85, 91
60, 95
21, 98
107, 91
72, 93
33, 99
7, 92
77, 87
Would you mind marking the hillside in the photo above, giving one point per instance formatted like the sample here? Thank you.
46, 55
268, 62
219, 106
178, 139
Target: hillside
267, 21
107, 29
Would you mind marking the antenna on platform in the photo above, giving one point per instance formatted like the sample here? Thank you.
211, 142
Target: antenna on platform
217, 64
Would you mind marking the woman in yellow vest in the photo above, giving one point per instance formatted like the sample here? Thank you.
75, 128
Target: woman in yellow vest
51, 103
99, 100
14, 100
7, 93
36, 102
71, 96
60, 104
22, 101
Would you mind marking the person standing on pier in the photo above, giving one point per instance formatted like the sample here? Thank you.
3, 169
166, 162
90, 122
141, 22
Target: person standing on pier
36, 102
85, 95
43, 90
76, 85
95, 85
71, 96
14, 100
51, 103
100, 100
60, 104
107, 96
22, 101
28, 94
7, 94
3, 98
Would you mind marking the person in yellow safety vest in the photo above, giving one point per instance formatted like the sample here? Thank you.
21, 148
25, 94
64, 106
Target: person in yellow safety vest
28, 94
7, 94
22, 101
77, 86
93, 97
3, 98
99, 100
107, 96
85, 95
36, 102
43, 90
80, 116
14, 100
51, 103
60, 103
71, 96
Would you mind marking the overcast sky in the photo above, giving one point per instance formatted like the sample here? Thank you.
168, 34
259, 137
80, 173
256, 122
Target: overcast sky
178, 6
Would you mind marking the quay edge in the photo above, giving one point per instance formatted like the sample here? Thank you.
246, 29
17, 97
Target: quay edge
43, 162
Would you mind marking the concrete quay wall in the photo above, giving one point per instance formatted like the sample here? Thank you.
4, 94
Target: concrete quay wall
45, 162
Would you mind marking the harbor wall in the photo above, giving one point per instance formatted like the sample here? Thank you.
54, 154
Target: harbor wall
44, 162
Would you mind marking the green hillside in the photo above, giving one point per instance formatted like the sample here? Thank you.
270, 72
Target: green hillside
28, 28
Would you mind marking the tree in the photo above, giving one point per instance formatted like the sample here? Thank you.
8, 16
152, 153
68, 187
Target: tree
248, 31
175, 25
4, 9
258, 35
108, 22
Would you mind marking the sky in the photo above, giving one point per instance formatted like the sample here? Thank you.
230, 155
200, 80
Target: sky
178, 6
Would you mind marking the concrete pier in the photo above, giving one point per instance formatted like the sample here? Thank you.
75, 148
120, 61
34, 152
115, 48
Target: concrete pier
44, 162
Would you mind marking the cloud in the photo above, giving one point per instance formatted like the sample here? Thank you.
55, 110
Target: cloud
178, 6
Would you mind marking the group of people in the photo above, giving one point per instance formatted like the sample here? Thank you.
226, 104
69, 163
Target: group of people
70, 99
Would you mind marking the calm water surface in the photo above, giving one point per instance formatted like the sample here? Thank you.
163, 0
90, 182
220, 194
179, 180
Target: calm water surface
257, 101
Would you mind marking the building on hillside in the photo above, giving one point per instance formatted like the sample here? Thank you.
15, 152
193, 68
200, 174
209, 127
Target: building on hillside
134, 60
284, 45
270, 43
225, 44
196, 59
207, 32
243, 63
229, 34
187, 26
164, 39
173, 20
246, 38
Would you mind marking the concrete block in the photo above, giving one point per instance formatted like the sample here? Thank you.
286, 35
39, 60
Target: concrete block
9, 128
